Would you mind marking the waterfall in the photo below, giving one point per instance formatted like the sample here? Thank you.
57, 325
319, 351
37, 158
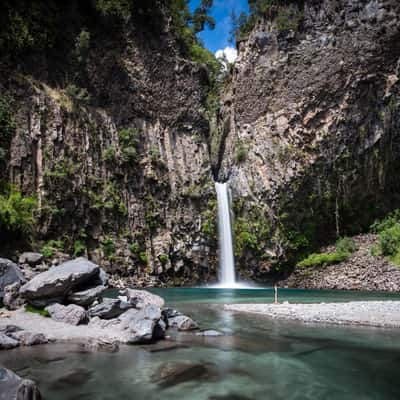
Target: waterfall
226, 258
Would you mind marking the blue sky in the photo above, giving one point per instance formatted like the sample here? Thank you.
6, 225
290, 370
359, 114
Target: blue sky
219, 37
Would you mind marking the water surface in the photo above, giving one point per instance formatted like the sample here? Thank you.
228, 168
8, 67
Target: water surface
257, 359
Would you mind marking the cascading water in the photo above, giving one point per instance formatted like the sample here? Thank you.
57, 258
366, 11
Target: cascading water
226, 258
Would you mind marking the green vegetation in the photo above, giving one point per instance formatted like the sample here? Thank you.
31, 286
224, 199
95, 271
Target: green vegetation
209, 221
35, 310
134, 248
241, 152
163, 258
322, 259
143, 258
287, 16
129, 141
51, 248
109, 154
344, 248
108, 246
388, 231
16, 214
79, 248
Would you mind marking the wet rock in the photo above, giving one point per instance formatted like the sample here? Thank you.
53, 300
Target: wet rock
58, 282
103, 323
12, 299
142, 298
13, 387
182, 323
7, 329
109, 308
143, 326
30, 258
104, 345
9, 274
29, 338
86, 297
172, 374
71, 314
210, 333
76, 377
7, 342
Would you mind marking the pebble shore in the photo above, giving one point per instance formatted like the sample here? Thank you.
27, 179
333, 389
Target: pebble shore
363, 313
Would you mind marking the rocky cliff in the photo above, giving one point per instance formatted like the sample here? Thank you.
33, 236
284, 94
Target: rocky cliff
310, 127
118, 159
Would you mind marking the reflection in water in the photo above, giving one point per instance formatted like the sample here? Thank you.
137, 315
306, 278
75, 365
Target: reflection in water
256, 359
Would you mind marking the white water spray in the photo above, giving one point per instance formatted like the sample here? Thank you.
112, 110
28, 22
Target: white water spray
226, 258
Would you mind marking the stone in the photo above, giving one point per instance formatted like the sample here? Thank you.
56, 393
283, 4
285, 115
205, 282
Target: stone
182, 323
103, 323
75, 377
86, 297
171, 374
58, 282
30, 258
209, 333
13, 387
9, 274
142, 298
26, 338
109, 308
104, 345
12, 299
7, 343
143, 326
71, 314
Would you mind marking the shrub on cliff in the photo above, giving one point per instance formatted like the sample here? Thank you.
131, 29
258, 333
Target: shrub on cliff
16, 214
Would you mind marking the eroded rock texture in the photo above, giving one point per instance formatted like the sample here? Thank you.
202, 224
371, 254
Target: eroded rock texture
310, 128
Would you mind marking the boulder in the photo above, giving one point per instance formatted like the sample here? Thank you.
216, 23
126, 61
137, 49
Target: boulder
109, 308
143, 326
86, 297
182, 323
97, 322
142, 298
7, 343
26, 338
58, 282
12, 299
13, 387
71, 314
30, 258
9, 274
103, 344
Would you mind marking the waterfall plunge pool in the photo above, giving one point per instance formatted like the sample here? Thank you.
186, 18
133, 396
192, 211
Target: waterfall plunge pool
257, 359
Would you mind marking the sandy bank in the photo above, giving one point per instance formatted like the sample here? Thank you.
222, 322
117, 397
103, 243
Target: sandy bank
366, 313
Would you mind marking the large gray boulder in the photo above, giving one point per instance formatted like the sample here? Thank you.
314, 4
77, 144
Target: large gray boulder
9, 274
26, 338
109, 308
30, 258
58, 282
7, 342
142, 298
13, 387
71, 314
86, 297
143, 326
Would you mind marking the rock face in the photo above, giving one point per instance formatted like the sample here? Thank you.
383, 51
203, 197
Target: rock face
12, 387
109, 308
58, 282
310, 135
71, 314
123, 150
9, 274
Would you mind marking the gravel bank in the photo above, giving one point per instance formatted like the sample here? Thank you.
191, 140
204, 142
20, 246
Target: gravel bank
59, 331
367, 313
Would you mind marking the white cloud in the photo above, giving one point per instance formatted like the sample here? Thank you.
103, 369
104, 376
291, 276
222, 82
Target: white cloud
228, 53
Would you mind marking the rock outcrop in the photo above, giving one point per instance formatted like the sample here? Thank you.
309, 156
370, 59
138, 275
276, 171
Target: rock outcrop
9, 274
71, 314
13, 387
56, 284
310, 127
